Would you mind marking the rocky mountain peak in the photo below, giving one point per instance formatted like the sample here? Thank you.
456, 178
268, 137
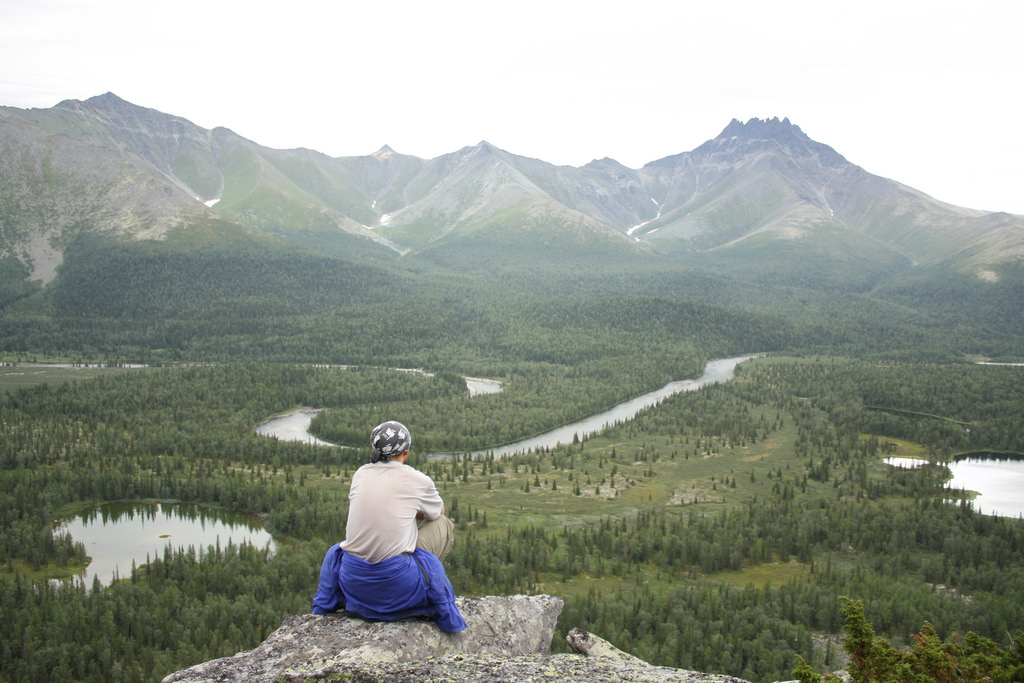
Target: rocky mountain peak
763, 129
485, 148
109, 100
111, 108
141, 125
384, 152
774, 136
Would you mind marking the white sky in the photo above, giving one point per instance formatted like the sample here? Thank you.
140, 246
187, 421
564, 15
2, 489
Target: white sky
926, 92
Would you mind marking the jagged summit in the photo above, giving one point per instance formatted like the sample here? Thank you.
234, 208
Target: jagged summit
762, 129
788, 136
758, 136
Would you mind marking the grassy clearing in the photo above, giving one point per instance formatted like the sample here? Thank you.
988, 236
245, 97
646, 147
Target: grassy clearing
14, 377
773, 574
900, 448
17, 567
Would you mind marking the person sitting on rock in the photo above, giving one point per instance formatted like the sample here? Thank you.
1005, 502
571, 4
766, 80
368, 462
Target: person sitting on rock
389, 565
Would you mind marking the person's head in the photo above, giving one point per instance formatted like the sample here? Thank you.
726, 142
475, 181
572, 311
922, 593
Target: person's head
389, 440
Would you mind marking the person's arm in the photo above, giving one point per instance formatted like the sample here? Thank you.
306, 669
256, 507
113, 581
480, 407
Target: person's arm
420, 516
429, 505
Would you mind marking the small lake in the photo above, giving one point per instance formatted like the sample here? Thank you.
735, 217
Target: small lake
999, 482
477, 386
117, 534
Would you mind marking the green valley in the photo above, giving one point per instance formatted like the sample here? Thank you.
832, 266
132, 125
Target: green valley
715, 532
224, 282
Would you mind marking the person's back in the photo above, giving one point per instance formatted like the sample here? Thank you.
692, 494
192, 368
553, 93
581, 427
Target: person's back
389, 566
384, 502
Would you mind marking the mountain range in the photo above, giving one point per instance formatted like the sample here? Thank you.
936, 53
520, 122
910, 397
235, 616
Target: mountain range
126, 232
107, 166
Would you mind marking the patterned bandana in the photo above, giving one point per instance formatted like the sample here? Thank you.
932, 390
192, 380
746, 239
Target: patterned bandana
388, 440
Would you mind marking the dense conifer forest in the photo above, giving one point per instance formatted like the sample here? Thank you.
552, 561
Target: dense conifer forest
716, 532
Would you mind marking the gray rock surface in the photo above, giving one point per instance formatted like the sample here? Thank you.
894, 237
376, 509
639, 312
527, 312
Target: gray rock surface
508, 639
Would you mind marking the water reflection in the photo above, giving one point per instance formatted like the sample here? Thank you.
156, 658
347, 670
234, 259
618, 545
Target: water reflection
998, 481
478, 386
117, 535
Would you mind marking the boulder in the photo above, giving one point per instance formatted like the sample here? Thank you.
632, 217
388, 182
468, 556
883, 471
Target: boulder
508, 639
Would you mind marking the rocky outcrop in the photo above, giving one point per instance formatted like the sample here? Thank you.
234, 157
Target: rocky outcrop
508, 639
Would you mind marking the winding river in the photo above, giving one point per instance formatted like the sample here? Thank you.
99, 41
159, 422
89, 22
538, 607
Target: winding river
294, 426
998, 482
715, 372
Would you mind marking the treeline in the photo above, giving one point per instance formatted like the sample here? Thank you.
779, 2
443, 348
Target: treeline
961, 300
